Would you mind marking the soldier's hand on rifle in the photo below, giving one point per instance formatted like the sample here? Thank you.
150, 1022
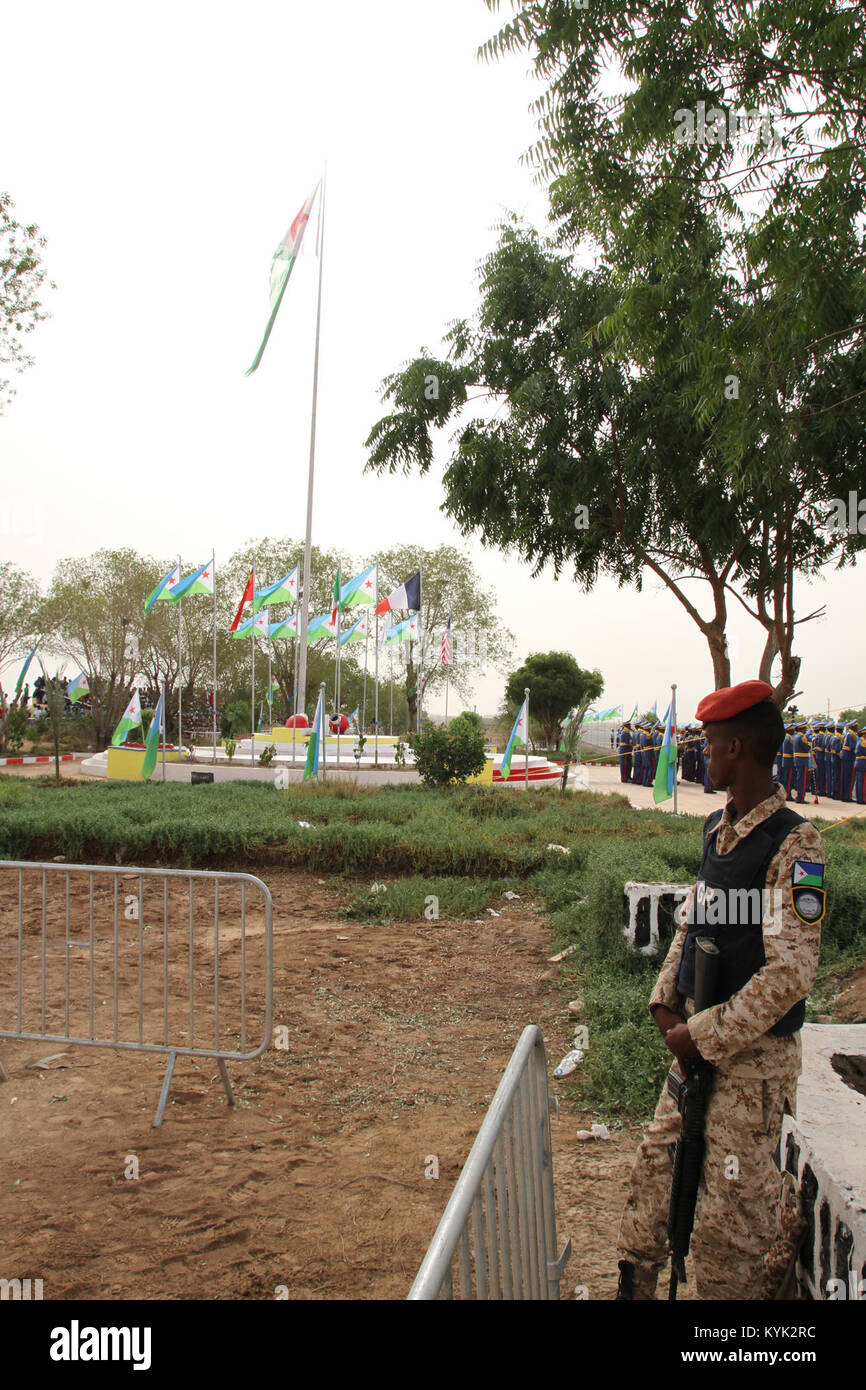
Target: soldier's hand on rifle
666, 1019
681, 1042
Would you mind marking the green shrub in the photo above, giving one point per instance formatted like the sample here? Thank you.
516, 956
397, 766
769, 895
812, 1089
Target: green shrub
236, 718
14, 730
444, 757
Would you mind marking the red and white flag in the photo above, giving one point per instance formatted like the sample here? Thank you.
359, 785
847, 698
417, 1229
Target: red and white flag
249, 591
446, 644
282, 264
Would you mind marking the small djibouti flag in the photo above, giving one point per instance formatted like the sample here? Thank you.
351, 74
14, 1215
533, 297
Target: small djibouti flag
284, 591
287, 628
281, 268
199, 582
364, 588
358, 632
806, 875
518, 732
130, 719
77, 688
666, 771
164, 589
312, 764
152, 745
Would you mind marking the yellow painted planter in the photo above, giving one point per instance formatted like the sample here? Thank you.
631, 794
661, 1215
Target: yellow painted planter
484, 778
124, 764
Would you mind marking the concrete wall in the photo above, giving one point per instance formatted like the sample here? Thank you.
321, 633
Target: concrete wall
825, 1149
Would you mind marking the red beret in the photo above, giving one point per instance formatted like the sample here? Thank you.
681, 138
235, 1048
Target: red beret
732, 700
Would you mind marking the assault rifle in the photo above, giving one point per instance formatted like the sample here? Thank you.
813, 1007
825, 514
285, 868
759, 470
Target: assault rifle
692, 1096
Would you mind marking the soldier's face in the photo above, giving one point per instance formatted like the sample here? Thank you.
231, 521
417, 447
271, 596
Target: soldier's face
721, 755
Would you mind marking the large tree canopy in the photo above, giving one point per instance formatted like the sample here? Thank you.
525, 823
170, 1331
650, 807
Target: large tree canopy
692, 404
557, 686
21, 278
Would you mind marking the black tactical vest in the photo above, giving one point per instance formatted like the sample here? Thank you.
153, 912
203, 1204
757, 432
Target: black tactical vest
738, 931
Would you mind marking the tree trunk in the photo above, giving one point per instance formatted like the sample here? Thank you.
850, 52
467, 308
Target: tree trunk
715, 635
768, 656
412, 677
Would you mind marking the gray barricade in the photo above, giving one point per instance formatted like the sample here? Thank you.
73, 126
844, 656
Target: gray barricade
174, 961
499, 1227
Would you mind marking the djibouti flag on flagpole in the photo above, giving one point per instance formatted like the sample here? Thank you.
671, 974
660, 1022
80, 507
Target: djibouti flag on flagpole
364, 588
312, 764
23, 671
130, 719
199, 582
152, 745
518, 732
77, 688
281, 268
284, 591
663, 785
164, 588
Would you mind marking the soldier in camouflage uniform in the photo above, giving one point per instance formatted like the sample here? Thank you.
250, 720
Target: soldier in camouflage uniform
767, 967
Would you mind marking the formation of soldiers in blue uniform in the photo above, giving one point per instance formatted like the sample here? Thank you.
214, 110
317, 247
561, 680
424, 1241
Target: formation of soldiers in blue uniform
639, 751
821, 758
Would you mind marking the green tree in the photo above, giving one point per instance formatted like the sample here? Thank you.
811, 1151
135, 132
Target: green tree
93, 614
595, 456
752, 310
557, 686
21, 279
450, 587
19, 595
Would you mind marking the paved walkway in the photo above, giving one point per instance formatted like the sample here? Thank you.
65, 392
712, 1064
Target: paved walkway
692, 800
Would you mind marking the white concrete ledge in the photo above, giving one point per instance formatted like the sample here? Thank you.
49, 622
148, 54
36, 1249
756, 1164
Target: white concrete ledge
825, 1149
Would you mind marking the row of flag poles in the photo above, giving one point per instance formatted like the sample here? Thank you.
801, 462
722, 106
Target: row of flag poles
173, 587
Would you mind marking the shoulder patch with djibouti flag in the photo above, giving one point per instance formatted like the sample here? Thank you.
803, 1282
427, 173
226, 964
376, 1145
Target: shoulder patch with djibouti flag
807, 890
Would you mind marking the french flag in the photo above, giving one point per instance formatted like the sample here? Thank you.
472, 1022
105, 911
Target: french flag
407, 596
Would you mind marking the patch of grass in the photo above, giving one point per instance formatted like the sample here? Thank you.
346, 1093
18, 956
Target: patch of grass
420, 897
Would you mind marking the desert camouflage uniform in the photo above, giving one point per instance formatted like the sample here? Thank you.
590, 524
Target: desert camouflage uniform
736, 1218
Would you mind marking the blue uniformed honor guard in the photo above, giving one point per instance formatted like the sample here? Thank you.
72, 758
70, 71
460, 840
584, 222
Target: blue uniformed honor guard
846, 761
625, 751
860, 769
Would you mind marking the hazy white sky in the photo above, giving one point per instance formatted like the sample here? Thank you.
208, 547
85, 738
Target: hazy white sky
163, 152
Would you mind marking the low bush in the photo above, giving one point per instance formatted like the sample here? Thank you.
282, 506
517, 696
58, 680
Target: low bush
444, 757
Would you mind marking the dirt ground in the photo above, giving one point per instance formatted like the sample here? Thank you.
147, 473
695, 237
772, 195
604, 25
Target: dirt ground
315, 1183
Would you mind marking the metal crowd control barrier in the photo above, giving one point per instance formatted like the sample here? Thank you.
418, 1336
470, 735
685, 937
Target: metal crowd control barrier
500, 1221
172, 961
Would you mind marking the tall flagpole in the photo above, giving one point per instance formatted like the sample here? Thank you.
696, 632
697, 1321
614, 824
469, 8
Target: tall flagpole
179, 670
305, 607
391, 721
337, 672
364, 697
448, 673
164, 722
376, 672
526, 742
213, 574
323, 756
423, 625
673, 727
253, 670
269, 698
295, 692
